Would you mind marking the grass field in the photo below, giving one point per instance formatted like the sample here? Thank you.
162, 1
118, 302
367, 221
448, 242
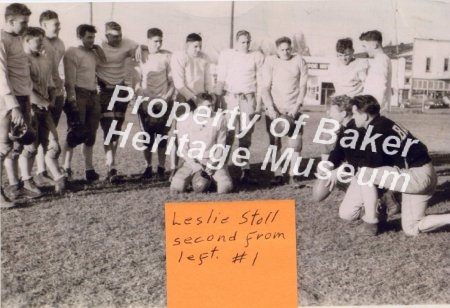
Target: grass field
104, 245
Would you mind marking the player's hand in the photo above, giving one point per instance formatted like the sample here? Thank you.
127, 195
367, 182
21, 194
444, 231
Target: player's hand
99, 52
16, 116
272, 113
139, 92
293, 111
52, 95
196, 167
219, 88
139, 55
209, 171
332, 181
172, 174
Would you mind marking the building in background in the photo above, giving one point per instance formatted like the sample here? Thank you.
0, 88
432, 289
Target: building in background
430, 68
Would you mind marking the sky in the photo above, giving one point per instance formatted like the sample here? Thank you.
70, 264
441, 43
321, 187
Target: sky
320, 22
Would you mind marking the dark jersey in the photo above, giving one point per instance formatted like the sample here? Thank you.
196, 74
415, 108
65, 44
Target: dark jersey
346, 154
416, 156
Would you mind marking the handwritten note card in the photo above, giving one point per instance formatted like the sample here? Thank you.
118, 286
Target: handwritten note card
231, 254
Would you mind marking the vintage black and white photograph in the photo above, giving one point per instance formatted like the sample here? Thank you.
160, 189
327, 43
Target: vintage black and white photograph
110, 110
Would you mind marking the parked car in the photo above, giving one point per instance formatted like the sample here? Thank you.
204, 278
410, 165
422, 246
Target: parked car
417, 100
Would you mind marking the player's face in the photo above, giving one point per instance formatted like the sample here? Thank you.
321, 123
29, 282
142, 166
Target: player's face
359, 117
193, 48
369, 47
346, 57
114, 38
154, 44
19, 24
35, 43
337, 114
88, 40
284, 51
243, 43
51, 27
208, 104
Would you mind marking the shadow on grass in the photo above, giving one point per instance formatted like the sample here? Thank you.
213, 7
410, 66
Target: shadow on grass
442, 194
262, 177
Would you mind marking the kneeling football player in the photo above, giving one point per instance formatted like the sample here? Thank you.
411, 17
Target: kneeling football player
341, 111
200, 169
411, 161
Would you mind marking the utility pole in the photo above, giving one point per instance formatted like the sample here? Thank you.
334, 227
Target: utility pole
232, 25
91, 13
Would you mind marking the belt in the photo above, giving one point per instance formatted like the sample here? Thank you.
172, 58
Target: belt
112, 114
241, 96
92, 92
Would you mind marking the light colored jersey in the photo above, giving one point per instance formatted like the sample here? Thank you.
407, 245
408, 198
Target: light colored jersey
349, 79
113, 71
191, 75
15, 70
79, 68
55, 49
154, 75
378, 81
284, 79
207, 134
41, 70
240, 72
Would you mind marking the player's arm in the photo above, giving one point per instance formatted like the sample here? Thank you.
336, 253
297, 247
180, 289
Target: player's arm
379, 71
171, 88
302, 85
183, 150
6, 92
51, 87
375, 158
266, 87
259, 62
221, 73
178, 67
70, 73
220, 140
362, 72
99, 53
209, 83
134, 50
136, 79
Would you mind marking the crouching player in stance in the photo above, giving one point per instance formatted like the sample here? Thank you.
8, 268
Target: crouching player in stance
340, 110
41, 117
284, 86
211, 135
404, 157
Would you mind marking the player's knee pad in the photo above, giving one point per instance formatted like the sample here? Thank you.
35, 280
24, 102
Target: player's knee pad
230, 137
297, 147
53, 150
246, 141
90, 140
345, 214
29, 151
75, 136
5, 148
411, 228
15, 151
177, 185
224, 187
